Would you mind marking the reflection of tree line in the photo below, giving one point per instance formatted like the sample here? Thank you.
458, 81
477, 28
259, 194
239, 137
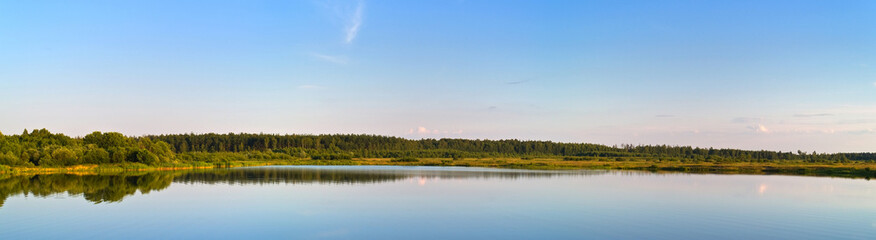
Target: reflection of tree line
350, 176
113, 188
95, 188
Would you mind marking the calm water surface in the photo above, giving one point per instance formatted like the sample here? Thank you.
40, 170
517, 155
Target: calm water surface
380, 202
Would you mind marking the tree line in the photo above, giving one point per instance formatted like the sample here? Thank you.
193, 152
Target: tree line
42, 148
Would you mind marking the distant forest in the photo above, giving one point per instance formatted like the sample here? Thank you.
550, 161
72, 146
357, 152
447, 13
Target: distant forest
42, 148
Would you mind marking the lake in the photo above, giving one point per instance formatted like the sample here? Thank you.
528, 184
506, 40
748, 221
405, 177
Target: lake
387, 202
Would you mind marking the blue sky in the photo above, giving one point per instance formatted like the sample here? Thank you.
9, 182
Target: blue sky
777, 75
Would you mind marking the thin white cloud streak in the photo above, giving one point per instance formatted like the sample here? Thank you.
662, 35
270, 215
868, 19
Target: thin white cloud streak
809, 115
330, 58
310, 87
355, 23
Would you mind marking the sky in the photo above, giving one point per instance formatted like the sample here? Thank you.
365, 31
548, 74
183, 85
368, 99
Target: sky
775, 75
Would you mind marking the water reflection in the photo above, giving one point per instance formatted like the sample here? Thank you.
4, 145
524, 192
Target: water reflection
100, 188
94, 188
377, 202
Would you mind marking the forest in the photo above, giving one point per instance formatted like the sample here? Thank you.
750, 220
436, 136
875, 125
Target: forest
43, 148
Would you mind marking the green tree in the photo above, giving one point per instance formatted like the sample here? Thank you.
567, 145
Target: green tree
164, 151
46, 160
117, 154
10, 159
106, 140
96, 156
64, 156
31, 155
143, 156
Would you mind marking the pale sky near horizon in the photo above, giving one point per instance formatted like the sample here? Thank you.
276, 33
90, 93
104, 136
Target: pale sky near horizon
775, 75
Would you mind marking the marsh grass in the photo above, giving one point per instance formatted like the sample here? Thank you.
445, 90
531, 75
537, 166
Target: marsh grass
802, 168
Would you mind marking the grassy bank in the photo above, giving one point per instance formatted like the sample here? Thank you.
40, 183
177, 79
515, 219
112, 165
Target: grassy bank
124, 167
846, 170
136, 167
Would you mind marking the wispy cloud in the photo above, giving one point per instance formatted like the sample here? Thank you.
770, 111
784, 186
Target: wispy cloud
355, 22
874, 84
754, 124
856, 121
346, 14
813, 115
516, 82
760, 128
747, 120
330, 58
864, 131
333, 233
308, 86
423, 130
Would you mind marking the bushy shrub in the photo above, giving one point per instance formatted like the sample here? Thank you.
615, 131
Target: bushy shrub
9, 159
332, 157
96, 156
143, 156
65, 156
405, 159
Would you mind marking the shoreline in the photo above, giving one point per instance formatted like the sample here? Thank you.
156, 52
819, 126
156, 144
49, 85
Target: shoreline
853, 170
